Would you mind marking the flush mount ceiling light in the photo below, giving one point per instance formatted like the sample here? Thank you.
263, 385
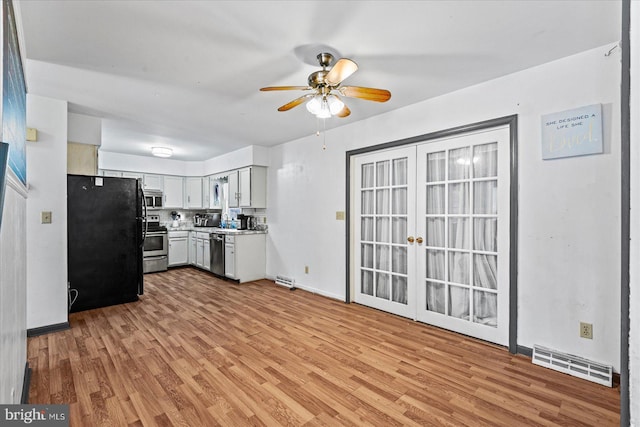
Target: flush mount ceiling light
161, 151
325, 85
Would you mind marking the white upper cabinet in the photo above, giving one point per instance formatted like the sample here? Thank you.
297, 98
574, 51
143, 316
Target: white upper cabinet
173, 191
206, 192
153, 182
248, 188
132, 175
194, 193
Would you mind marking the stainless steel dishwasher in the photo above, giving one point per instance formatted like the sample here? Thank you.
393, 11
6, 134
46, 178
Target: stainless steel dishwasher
217, 253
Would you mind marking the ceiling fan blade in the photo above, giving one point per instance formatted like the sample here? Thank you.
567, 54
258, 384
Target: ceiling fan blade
270, 88
294, 103
367, 93
343, 69
344, 112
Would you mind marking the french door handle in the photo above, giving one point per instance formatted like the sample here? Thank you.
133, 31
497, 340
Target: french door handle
410, 239
419, 240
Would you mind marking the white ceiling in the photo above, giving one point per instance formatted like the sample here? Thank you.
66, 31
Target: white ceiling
186, 74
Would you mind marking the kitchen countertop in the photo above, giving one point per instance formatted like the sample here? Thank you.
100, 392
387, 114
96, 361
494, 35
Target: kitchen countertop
215, 230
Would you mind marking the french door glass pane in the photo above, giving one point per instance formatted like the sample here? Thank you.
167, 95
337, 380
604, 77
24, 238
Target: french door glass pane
366, 280
382, 257
459, 302
459, 161
436, 166
458, 198
367, 175
485, 231
399, 287
399, 259
485, 160
399, 230
435, 232
485, 197
382, 201
367, 202
485, 269
435, 264
399, 202
366, 229
459, 233
366, 250
382, 285
382, 230
399, 171
382, 173
459, 267
435, 199
435, 297
485, 308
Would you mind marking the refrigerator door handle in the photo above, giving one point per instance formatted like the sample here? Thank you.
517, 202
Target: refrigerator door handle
144, 218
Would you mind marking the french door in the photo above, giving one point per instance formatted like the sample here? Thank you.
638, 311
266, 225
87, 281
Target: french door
385, 207
432, 233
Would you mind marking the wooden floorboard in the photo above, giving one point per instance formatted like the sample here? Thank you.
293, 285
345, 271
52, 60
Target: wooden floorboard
200, 351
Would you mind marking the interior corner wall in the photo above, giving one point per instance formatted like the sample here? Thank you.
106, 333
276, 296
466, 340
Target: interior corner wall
84, 129
634, 267
47, 243
569, 209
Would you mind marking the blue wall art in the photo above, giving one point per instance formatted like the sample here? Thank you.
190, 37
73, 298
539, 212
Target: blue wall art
14, 97
571, 133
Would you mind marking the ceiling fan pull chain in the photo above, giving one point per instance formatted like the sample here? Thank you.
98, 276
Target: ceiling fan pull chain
324, 134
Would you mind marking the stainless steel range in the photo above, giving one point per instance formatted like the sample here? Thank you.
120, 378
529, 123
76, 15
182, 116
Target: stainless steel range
156, 246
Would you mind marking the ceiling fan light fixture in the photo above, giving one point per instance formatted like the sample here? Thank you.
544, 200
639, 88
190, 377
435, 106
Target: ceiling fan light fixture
324, 112
335, 105
314, 105
161, 151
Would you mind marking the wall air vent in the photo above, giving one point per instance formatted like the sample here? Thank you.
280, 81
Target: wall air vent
573, 365
287, 282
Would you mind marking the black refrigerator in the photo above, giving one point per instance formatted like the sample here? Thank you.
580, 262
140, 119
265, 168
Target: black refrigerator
104, 228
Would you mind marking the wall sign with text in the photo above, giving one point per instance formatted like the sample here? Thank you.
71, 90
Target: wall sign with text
572, 133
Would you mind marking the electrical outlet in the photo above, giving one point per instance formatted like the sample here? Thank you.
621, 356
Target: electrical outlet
306, 269
46, 217
586, 330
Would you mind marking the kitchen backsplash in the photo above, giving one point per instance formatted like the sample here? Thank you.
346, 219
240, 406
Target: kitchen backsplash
186, 215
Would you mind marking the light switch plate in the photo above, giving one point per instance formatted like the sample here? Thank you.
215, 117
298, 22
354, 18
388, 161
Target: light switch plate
340, 215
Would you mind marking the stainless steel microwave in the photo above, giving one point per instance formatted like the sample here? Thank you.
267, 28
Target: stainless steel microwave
154, 199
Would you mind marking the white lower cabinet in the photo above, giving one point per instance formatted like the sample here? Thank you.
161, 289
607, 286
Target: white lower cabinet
203, 251
178, 248
245, 257
192, 247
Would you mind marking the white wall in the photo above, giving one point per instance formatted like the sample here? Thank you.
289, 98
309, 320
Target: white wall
251, 155
13, 295
145, 164
569, 218
84, 129
47, 243
247, 156
634, 298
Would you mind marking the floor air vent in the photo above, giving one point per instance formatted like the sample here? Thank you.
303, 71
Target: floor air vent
573, 365
287, 282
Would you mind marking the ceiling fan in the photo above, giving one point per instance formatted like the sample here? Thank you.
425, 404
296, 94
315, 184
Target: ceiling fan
325, 100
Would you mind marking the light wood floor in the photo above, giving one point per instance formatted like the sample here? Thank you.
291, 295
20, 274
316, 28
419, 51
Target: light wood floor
197, 351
